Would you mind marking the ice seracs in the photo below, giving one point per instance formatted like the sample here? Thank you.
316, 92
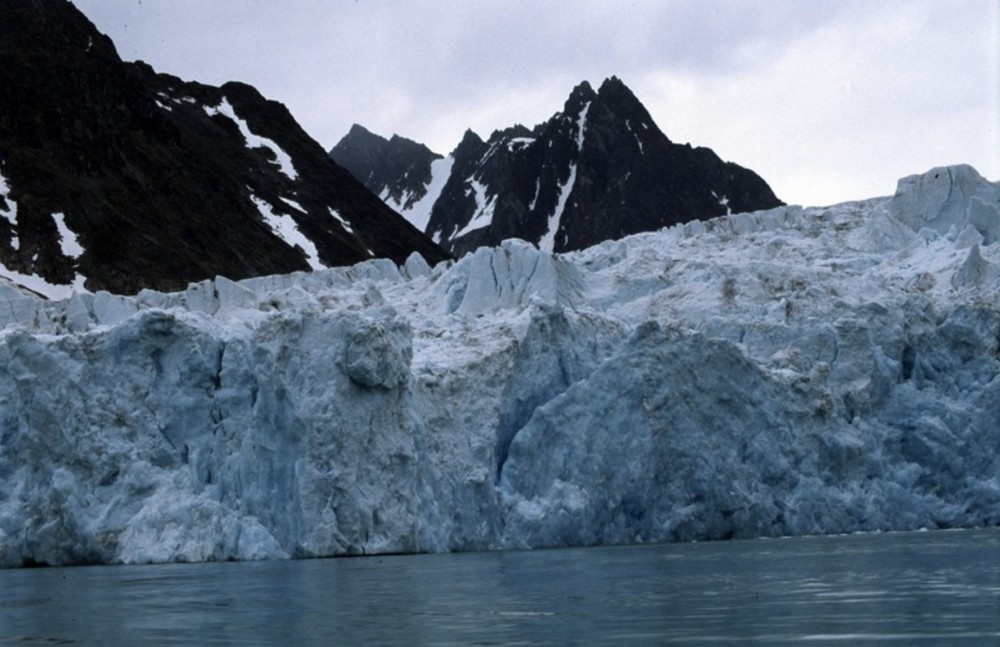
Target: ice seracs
948, 198
797, 370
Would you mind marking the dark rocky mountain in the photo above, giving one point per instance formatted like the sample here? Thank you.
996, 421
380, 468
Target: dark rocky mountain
160, 182
600, 169
396, 166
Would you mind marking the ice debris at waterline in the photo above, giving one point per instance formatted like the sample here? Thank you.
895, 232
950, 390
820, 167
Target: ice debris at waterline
782, 372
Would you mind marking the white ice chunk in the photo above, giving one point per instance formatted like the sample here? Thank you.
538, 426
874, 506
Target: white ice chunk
941, 198
110, 309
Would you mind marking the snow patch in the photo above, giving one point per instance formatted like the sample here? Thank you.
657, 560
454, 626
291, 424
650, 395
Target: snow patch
581, 126
548, 241
723, 201
285, 228
39, 285
638, 141
482, 216
294, 205
283, 159
9, 212
343, 223
419, 213
515, 144
538, 190
68, 242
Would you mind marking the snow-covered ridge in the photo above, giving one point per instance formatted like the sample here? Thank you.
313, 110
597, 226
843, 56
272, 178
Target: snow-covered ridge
800, 370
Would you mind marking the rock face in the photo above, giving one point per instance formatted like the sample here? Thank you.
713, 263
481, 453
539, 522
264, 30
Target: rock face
791, 371
398, 167
598, 170
115, 177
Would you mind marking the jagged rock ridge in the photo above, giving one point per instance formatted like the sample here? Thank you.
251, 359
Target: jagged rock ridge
598, 170
115, 177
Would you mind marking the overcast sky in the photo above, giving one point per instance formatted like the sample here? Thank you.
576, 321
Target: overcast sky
828, 100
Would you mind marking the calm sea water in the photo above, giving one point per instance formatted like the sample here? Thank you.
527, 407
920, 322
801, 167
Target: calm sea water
897, 588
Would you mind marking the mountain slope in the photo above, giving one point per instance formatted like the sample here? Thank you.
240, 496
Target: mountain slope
600, 169
160, 182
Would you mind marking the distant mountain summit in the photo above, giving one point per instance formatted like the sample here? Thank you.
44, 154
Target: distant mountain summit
399, 167
115, 177
600, 169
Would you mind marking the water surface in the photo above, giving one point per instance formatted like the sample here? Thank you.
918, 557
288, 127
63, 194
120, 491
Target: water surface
940, 587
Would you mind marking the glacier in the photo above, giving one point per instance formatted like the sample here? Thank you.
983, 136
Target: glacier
794, 371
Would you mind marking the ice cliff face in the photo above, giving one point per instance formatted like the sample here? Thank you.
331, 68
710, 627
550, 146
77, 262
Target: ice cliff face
781, 372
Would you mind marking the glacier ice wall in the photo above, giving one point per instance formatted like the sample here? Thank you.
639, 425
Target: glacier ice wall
783, 372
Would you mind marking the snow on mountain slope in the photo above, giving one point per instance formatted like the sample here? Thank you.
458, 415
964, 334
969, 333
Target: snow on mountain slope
599, 169
418, 212
116, 177
782, 372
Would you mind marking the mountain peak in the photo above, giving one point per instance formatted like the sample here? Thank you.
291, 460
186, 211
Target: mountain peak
583, 90
600, 169
161, 182
357, 130
613, 89
612, 83
612, 80
622, 103
471, 136
581, 95
395, 169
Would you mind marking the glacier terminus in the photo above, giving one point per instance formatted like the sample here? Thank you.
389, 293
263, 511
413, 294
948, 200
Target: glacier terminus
783, 372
